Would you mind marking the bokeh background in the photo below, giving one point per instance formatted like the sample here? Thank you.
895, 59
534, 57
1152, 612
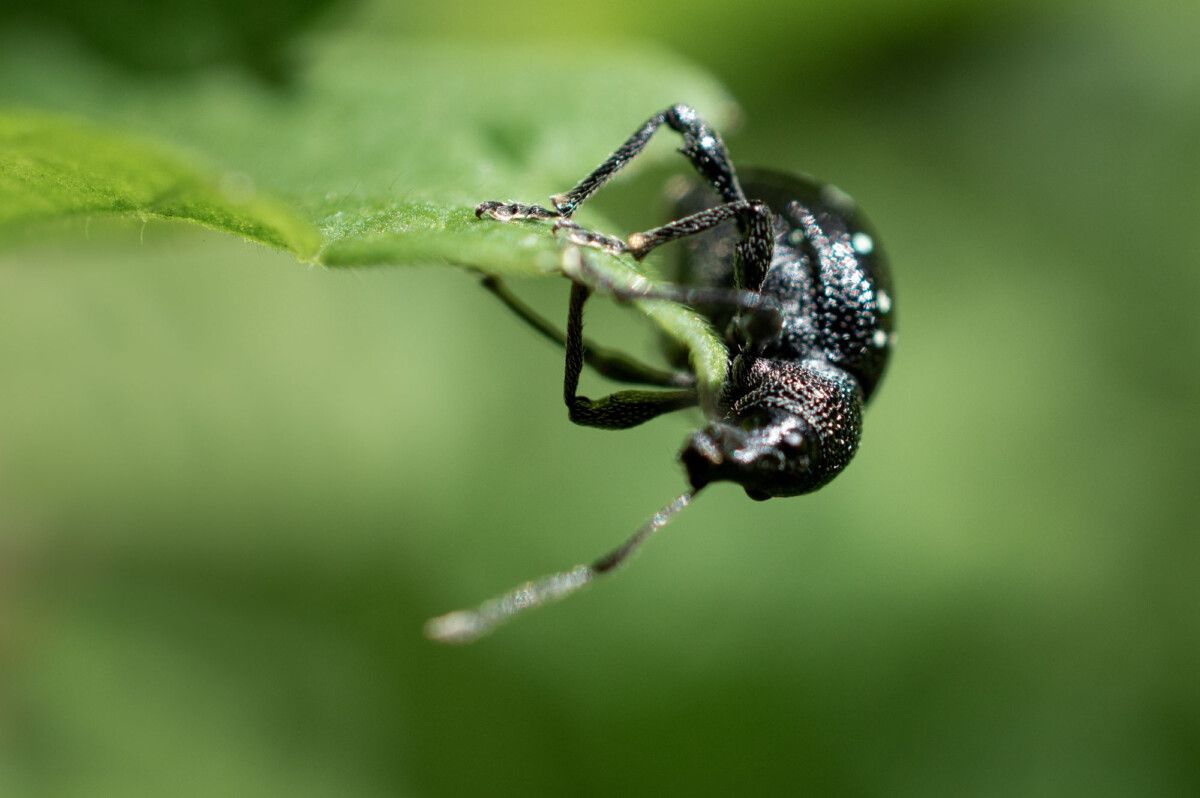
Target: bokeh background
232, 487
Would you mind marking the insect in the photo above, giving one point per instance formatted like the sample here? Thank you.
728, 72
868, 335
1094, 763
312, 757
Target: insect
791, 273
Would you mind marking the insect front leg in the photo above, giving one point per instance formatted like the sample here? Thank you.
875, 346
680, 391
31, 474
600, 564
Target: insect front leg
701, 145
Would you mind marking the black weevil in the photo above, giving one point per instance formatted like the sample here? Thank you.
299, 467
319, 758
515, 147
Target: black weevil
803, 294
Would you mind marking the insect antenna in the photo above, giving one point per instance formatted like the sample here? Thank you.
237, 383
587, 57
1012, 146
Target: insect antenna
465, 626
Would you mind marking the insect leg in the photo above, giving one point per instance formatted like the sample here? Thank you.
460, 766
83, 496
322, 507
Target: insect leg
619, 410
701, 145
508, 211
610, 363
466, 626
704, 148
765, 310
753, 253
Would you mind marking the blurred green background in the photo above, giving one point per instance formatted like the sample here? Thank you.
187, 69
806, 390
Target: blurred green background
232, 487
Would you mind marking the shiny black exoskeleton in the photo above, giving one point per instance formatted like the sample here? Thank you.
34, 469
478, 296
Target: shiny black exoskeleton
794, 397
799, 287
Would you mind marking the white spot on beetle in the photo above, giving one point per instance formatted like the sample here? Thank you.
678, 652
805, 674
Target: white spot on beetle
863, 244
879, 339
885, 302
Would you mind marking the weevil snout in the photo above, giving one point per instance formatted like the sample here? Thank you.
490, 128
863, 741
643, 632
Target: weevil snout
767, 461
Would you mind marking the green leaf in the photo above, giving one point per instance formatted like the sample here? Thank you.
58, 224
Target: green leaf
54, 167
375, 155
